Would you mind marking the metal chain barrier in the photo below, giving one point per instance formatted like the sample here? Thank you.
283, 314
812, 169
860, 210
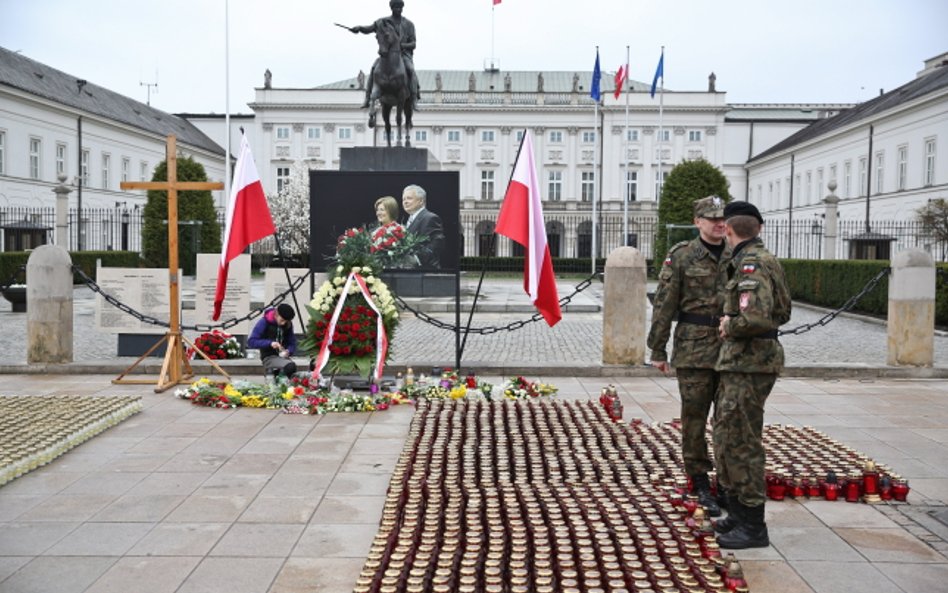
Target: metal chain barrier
849, 304
487, 330
200, 327
12, 279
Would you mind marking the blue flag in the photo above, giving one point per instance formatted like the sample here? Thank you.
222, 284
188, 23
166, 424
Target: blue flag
594, 87
659, 73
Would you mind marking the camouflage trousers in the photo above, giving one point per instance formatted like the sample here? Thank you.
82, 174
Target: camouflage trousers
698, 389
738, 434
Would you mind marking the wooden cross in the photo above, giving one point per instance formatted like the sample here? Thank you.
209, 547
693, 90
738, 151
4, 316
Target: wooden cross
175, 355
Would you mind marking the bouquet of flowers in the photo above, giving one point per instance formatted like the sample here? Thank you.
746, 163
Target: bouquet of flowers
217, 345
355, 336
520, 388
388, 246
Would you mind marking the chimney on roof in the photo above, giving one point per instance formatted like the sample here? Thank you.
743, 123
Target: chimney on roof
80, 83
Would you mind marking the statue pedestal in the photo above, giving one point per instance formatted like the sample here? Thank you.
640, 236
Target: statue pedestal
419, 284
378, 158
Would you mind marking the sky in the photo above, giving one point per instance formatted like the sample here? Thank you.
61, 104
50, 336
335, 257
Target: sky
809, 51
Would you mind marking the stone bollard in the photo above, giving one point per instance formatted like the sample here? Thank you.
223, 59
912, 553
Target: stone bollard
911, 322
49, 305
624, 308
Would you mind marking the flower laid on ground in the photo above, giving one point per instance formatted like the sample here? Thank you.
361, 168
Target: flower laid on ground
302, 395
216, 345
520, 388
296, 396
355, 339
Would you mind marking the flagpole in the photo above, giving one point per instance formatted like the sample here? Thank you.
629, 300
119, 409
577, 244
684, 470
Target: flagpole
490, 253
492, 7
226, 101
596, 157
661, 129
625, 190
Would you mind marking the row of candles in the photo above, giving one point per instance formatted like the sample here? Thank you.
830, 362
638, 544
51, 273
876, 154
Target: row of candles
536, 496
37, 430
801, 462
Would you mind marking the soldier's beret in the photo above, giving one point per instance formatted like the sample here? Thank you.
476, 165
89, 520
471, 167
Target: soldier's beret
709, 207
743, 209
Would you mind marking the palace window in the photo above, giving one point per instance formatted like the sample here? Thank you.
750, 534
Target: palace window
283, 132
555, 188
556, 137
863, 172
126, 165
632, 136
631, 185
902, 168
84, 168
313, 133
929, 162
3, 144
847, 179
589, 137
345, 133
142, 170
487, 184
35, 150
487, 135
106, 170
694, 135
588, 186
454, 135
283, 178
421, 135
880, 168
60, 159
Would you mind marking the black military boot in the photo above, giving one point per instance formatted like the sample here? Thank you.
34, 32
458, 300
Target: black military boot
701, 487
733, 514
721, 497
750, 532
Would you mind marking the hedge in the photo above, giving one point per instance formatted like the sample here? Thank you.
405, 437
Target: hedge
830, 283
10, 261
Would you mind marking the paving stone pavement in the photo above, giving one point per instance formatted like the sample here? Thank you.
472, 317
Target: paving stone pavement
183, 499
575, 341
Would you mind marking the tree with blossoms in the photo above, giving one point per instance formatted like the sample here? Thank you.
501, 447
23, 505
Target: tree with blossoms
290, 211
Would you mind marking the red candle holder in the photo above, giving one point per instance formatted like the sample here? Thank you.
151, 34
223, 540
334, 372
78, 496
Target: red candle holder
885, 488
853, 487
776, 487
870, 483
796, 490
831, 486
900, 489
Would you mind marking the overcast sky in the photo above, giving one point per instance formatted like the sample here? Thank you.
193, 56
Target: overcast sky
761, 52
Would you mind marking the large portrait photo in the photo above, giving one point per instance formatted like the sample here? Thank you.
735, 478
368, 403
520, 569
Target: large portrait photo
407, 220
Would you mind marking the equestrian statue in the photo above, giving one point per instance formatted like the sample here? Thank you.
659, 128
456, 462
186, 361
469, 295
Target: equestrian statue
392, 81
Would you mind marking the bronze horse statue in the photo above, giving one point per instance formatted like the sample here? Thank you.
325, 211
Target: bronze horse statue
391, 86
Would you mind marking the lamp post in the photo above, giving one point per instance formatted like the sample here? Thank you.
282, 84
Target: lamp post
62, 212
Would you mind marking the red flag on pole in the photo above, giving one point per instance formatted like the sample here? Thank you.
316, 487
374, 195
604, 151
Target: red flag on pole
621, 75
496, 2
521, 219
247, 219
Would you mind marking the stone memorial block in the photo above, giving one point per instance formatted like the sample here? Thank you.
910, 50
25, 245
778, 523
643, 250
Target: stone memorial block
145, 290
236, 300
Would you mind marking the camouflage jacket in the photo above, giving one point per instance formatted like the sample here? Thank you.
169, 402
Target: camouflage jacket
757, 299
687, 283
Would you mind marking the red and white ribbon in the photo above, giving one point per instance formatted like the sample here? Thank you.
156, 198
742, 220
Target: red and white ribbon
381, 338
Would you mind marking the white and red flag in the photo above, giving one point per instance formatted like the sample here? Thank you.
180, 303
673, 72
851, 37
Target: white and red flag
521, 219
496, 2
621, 74
247, 218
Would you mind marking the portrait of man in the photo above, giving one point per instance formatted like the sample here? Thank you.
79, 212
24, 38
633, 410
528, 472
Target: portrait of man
424, 222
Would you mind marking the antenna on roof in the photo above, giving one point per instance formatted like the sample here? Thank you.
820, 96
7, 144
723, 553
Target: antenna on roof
80, 83
149, 85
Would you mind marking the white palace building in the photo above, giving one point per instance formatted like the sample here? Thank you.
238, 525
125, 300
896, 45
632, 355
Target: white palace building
471, 122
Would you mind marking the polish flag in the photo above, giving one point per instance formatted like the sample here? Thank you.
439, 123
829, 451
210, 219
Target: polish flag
621, 75
247, 219
521, 219
496, 2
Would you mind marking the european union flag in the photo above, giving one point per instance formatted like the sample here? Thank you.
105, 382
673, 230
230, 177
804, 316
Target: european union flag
659, 73
594, 87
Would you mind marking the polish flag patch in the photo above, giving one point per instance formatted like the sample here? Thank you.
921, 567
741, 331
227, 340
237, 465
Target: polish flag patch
745, 300
748, 268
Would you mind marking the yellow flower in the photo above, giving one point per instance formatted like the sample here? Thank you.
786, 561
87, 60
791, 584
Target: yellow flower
458, 392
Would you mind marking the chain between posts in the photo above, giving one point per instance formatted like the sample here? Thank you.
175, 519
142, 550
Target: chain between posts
849, 304
199, 327
487, 330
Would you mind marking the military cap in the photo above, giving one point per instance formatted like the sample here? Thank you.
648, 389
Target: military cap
743, 209
709, 207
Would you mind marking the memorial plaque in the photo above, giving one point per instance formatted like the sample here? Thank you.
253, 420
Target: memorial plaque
237, 299
275, 283
145, 290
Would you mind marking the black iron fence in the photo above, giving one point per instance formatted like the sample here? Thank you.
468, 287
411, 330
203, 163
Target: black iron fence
569, 234
806, 239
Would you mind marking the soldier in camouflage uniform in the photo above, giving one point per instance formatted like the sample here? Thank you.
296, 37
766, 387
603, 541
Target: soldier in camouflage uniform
756, 303
688, 293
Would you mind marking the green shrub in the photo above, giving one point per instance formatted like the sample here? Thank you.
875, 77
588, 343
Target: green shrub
830, 283
10, 261
193, 207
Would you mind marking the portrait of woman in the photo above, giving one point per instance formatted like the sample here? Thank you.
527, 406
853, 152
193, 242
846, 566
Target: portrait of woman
386, 210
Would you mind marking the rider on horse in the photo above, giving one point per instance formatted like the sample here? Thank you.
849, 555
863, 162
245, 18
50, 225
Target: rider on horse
406, 32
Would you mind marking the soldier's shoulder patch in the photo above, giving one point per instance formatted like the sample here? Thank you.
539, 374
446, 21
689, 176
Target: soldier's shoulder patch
674, 248
748, 284
748, 267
